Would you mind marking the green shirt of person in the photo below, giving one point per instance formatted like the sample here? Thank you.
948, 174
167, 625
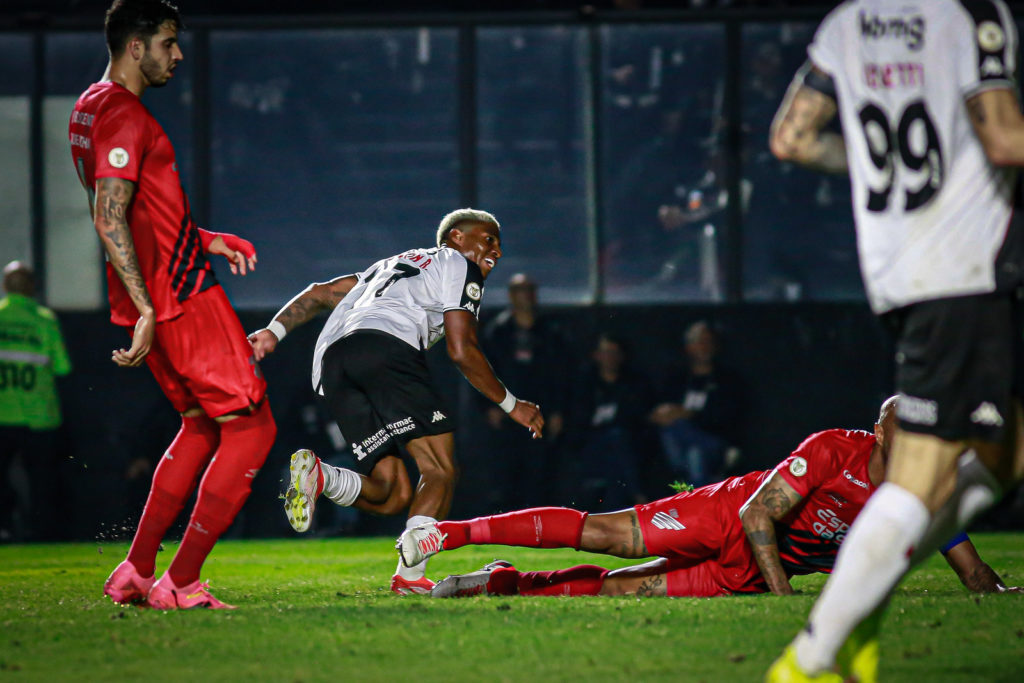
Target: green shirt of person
32, 355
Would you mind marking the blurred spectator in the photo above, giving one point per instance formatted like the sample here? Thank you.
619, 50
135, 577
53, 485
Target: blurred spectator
693, 223
661, 119
32, 354
528, 352
606, 428
699, 413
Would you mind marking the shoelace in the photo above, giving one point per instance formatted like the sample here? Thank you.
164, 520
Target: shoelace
432, 543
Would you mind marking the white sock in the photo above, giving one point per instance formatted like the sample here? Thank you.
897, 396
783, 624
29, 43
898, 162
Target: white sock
340, 485
871, 561
420, 570
977, 489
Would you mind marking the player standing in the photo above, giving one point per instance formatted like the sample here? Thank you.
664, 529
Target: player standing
926, 93
163, 291
370, 365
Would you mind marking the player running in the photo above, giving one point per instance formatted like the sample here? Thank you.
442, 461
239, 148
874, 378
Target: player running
370, 366
163, 291
746, 534
927, 98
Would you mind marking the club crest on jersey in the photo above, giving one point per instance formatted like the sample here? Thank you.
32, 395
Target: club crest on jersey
473, 291
798, 467
990, 36
118, 157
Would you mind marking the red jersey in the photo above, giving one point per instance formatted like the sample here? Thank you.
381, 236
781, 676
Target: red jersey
830, 471
113, 135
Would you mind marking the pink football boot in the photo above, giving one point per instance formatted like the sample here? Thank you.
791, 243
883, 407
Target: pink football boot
165, 595
126, 586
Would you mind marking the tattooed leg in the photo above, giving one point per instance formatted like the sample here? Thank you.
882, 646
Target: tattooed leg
643, 580
614, 533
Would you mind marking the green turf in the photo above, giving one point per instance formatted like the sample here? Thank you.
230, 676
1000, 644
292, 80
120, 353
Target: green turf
319, 610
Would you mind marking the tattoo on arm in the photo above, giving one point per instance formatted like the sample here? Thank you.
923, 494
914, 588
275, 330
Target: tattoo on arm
113, 196
797, 131
297, 311
312, 300
771, 503
778, 499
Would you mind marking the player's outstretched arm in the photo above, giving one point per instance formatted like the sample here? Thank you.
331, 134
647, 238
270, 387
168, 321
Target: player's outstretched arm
240, 253
769, 504
303, 307
999, 125
796, 132
110, 218
464, 350
976, 576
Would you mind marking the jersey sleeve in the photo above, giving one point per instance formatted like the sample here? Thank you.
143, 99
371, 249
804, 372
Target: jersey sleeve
812, 464
462, 286
119, 140
987, 47
824, 49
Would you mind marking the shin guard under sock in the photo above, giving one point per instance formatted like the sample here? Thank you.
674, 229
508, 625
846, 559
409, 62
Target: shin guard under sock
173, 482
244, 444
585, 579
547, 527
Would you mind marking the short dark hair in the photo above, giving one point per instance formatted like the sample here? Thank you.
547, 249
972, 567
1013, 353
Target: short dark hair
127, 19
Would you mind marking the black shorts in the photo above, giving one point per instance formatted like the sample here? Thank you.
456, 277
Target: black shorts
958, 365
379, 391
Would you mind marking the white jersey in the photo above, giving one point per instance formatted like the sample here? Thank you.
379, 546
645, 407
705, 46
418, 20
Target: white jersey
406, 297
931, 210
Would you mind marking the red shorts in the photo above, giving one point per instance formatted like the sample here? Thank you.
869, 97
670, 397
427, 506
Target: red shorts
700, 534
203, 358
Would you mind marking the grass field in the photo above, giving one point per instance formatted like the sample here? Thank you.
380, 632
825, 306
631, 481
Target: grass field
318, 610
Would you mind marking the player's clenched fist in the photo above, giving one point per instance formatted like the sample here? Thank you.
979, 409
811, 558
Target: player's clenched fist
263, 342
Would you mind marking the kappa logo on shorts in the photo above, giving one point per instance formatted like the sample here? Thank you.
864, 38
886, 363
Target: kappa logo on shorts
662, 521
987, 414
438, 416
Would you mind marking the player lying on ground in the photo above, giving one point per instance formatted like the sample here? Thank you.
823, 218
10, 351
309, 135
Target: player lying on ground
370, 366
746, 534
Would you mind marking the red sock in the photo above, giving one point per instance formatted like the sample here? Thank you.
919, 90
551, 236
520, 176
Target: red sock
244, 444
585, 579
173, 482
533, 528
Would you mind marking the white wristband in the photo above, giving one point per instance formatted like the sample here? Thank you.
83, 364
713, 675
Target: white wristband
509, 402
278, 329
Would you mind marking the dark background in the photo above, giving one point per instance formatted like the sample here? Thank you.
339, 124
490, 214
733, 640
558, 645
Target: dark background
809, 362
